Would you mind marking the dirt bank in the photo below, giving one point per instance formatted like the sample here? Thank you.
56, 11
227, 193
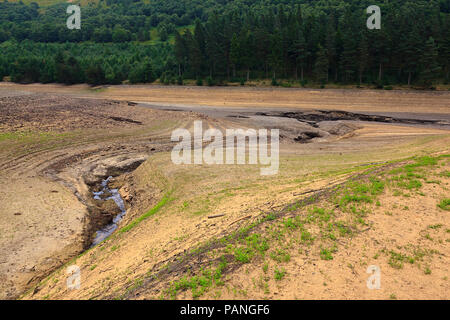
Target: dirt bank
54, 150
60, 145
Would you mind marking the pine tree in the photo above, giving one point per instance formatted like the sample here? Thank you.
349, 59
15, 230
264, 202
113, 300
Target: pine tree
430, 68
234, 53
213, 45
349, 56
180, 51
110, 76
47, 73
299, 15
195, 54
411, 53
444, 49
299, 53
199, 47
363, 57
148, 74
321, 66
95, 74
276, 54
247, 49
380, 43
331, 44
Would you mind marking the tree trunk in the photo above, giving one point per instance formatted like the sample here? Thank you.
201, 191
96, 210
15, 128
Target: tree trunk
302, 74
409, 78
380, 72
248, 74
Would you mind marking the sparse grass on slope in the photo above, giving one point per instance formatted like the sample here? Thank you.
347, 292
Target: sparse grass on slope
274, 237
165, 199
445, 204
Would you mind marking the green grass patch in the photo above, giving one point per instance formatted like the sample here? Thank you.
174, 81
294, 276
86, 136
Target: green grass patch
444, 204
280, 255
396, 259
243, 254
326, 254
445, 174
29, 136
200, 283
279, 274
165, 199
361, 192
258, 243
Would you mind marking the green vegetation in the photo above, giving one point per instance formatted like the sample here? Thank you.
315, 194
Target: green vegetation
445, 174
311, 226
396, 259
243, 255
279, 274
326, 254
165, 199
200, 283
445, 204
302, 42
280, 255
408, 254
30, 137
360, 192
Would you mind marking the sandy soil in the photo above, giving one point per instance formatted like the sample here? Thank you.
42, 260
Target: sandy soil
409, 225
64, 137
49, 146
422, 102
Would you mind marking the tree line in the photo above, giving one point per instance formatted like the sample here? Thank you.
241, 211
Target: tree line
104, 21
321, 44
320, 41
90, 63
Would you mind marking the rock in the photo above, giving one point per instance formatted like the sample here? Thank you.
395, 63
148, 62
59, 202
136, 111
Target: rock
110, 207
112, 167
338, 128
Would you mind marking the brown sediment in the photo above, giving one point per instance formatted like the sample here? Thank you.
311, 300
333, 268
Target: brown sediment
63, 170
54, 152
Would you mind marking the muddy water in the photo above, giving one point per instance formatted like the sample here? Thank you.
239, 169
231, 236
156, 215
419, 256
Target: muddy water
106, 194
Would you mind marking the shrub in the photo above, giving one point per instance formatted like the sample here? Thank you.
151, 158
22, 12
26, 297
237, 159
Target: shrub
444, 204
210, 81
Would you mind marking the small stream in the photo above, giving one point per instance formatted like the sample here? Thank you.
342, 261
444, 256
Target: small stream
107, 194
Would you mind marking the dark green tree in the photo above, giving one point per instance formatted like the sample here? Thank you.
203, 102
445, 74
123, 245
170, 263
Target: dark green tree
95, 74
321, 66
430, 68
363, 57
